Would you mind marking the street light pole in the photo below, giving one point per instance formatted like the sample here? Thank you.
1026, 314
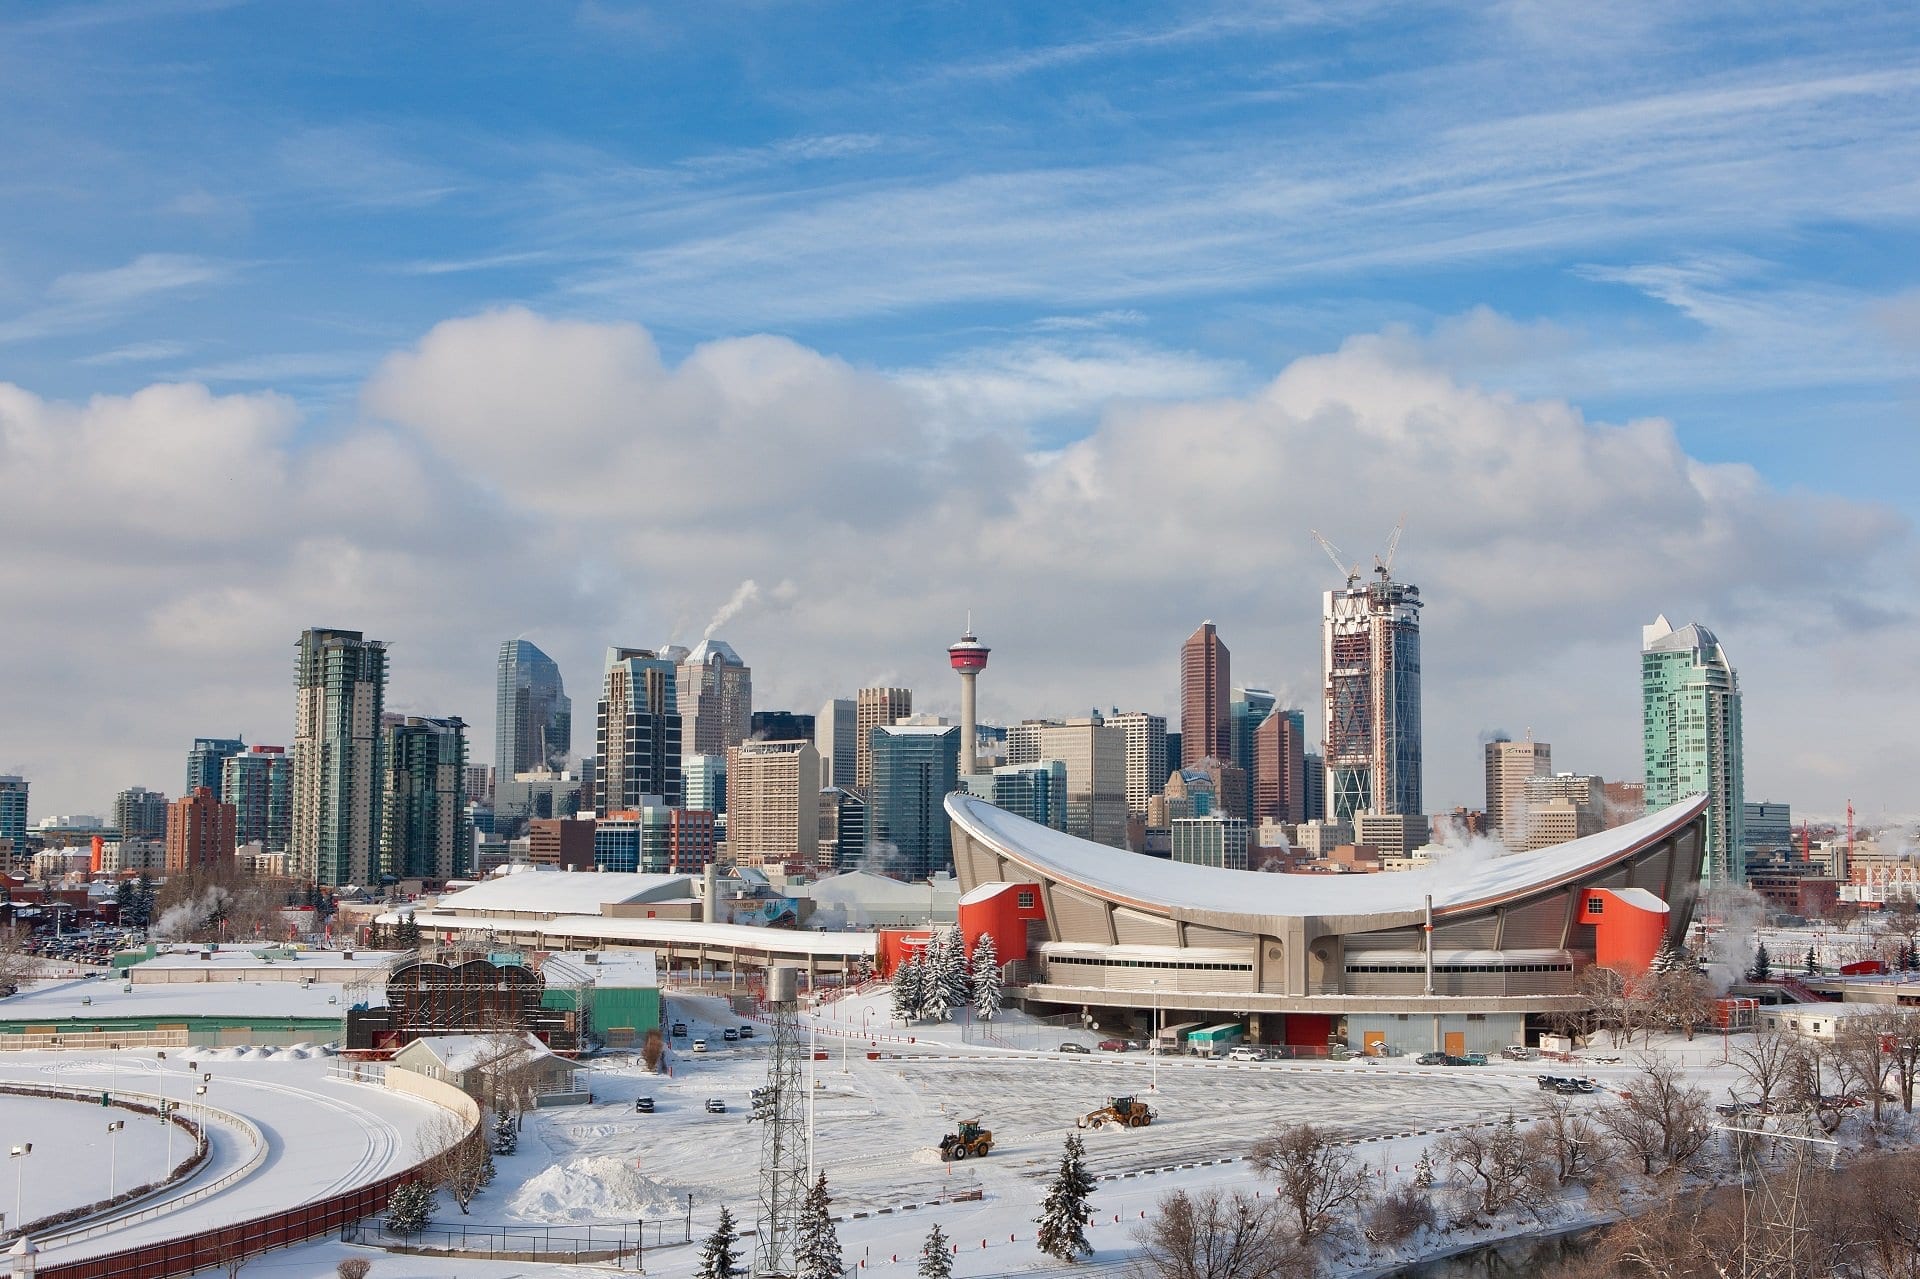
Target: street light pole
19, 1152
1153, 1049
113, 1153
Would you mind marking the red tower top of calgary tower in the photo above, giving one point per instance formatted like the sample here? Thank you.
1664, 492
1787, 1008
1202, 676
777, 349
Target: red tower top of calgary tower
969, 655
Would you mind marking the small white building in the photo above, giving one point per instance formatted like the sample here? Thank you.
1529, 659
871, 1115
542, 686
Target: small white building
465, 1061
1812, 1021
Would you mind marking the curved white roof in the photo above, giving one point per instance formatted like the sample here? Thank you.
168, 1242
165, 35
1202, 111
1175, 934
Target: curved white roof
1457, 881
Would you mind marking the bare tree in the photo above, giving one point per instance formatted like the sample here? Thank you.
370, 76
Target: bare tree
17, 965
1501, 1167
459, 1161
1680, 1000
1863, 1042
1399, 1214
1658, 1118
1902, 1045
1817, 1080
1580, 1148
1766, 1062
353, 1268
1320, 1179
1214, 1236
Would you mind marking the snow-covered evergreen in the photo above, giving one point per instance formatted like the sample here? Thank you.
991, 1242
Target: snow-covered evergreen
410, 1208
955, 971
818, 1253
718, 1260
1063, 1213
936, 1255
935, 1001
506, 1137
986, 978
906, 990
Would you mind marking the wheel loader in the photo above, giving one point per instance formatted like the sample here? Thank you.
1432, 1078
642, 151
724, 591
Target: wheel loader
1128, 1112
972, 1139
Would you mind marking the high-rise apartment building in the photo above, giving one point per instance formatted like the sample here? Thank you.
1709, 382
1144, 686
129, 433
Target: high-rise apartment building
1280, 766
199, 833
715, 698
1314, 787
1690, 699
703, 782
1206, 681
1509, 765
427, 834
258, 782
13, 812
877, 708
205, 759
341, 678
533, 725
836, 735
1023, 739
1218, 840
139, 813
1371, 662
915, 768
773, 802
1147, 762
637, 735
1096, 760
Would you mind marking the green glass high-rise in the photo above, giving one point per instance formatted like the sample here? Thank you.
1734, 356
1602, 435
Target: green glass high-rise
1690, 697
337, 781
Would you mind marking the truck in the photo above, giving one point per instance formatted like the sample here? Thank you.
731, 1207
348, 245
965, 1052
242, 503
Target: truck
1213, 1041
1169, 1038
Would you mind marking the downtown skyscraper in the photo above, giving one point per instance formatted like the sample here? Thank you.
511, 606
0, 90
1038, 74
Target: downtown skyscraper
1206, 683
425, 831
341, 683
715, 695
533, 725
1690, 698
1371, 666
637, 733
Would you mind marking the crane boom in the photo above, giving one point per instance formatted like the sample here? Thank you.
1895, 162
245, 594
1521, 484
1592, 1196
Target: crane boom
1385, 566
1352, 573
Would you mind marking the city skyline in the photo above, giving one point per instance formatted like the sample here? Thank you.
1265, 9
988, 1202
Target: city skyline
1079, 320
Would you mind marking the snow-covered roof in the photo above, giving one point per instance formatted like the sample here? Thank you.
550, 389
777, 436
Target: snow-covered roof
230, 958
461, 1053
81, 1002
1456, 881
584, 930
561, 892
1641, 898
709, 651
613, 968
866, 888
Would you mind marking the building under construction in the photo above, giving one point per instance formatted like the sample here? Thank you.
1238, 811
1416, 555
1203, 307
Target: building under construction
1371, 659
465, 991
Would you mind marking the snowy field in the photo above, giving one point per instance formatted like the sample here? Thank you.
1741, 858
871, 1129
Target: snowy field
73, 1155
321, 1135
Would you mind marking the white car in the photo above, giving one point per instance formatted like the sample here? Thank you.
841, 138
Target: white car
1246, 1054
698, 1046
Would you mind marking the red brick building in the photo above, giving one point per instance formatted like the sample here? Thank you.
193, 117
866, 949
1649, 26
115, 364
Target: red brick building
199, 832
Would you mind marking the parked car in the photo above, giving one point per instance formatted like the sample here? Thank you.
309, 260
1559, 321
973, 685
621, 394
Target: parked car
1430, 1059
1114, 1045
643, 1105
1246, 1054
680, 1029
730, 1035
1471, 1059
698, 1045
1070, 1047
1518, 1052
715, 1106
746, 1032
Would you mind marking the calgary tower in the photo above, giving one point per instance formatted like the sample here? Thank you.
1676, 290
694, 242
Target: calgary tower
969, 657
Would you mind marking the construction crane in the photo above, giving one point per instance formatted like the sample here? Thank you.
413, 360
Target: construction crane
1333, 553
1384, 567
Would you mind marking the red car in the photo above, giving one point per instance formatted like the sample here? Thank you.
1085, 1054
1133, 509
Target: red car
1114, 1045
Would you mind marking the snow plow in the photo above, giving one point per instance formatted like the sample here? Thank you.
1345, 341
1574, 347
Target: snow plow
972, 1139
1128, 1112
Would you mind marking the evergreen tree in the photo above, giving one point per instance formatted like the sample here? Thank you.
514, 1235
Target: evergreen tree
906, 990
718, 1260
407, 935
1813, 962
1063, 1213
934, 1005
936, 1256
1423, 1171
143, 901
818, 1253
1666, 959
506, 1138
123, 899
410, 1208
986, 978
955, 971
1762, 964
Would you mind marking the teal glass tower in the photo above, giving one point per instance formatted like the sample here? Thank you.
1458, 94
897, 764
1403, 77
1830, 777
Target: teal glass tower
1690, 696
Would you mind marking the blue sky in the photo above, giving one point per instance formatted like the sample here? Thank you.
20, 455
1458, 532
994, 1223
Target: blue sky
278, 194
1027, 218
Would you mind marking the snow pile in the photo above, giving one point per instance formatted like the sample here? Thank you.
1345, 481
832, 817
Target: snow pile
595, 1188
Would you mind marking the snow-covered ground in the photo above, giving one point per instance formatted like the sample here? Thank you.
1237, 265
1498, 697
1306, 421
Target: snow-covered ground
74, 1155
321, 1135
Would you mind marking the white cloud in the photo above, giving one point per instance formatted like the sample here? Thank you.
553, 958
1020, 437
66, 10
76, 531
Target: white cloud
518, 473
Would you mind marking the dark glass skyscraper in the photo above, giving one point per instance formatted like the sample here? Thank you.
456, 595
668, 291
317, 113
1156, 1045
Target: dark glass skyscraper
533, 725
206, 760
